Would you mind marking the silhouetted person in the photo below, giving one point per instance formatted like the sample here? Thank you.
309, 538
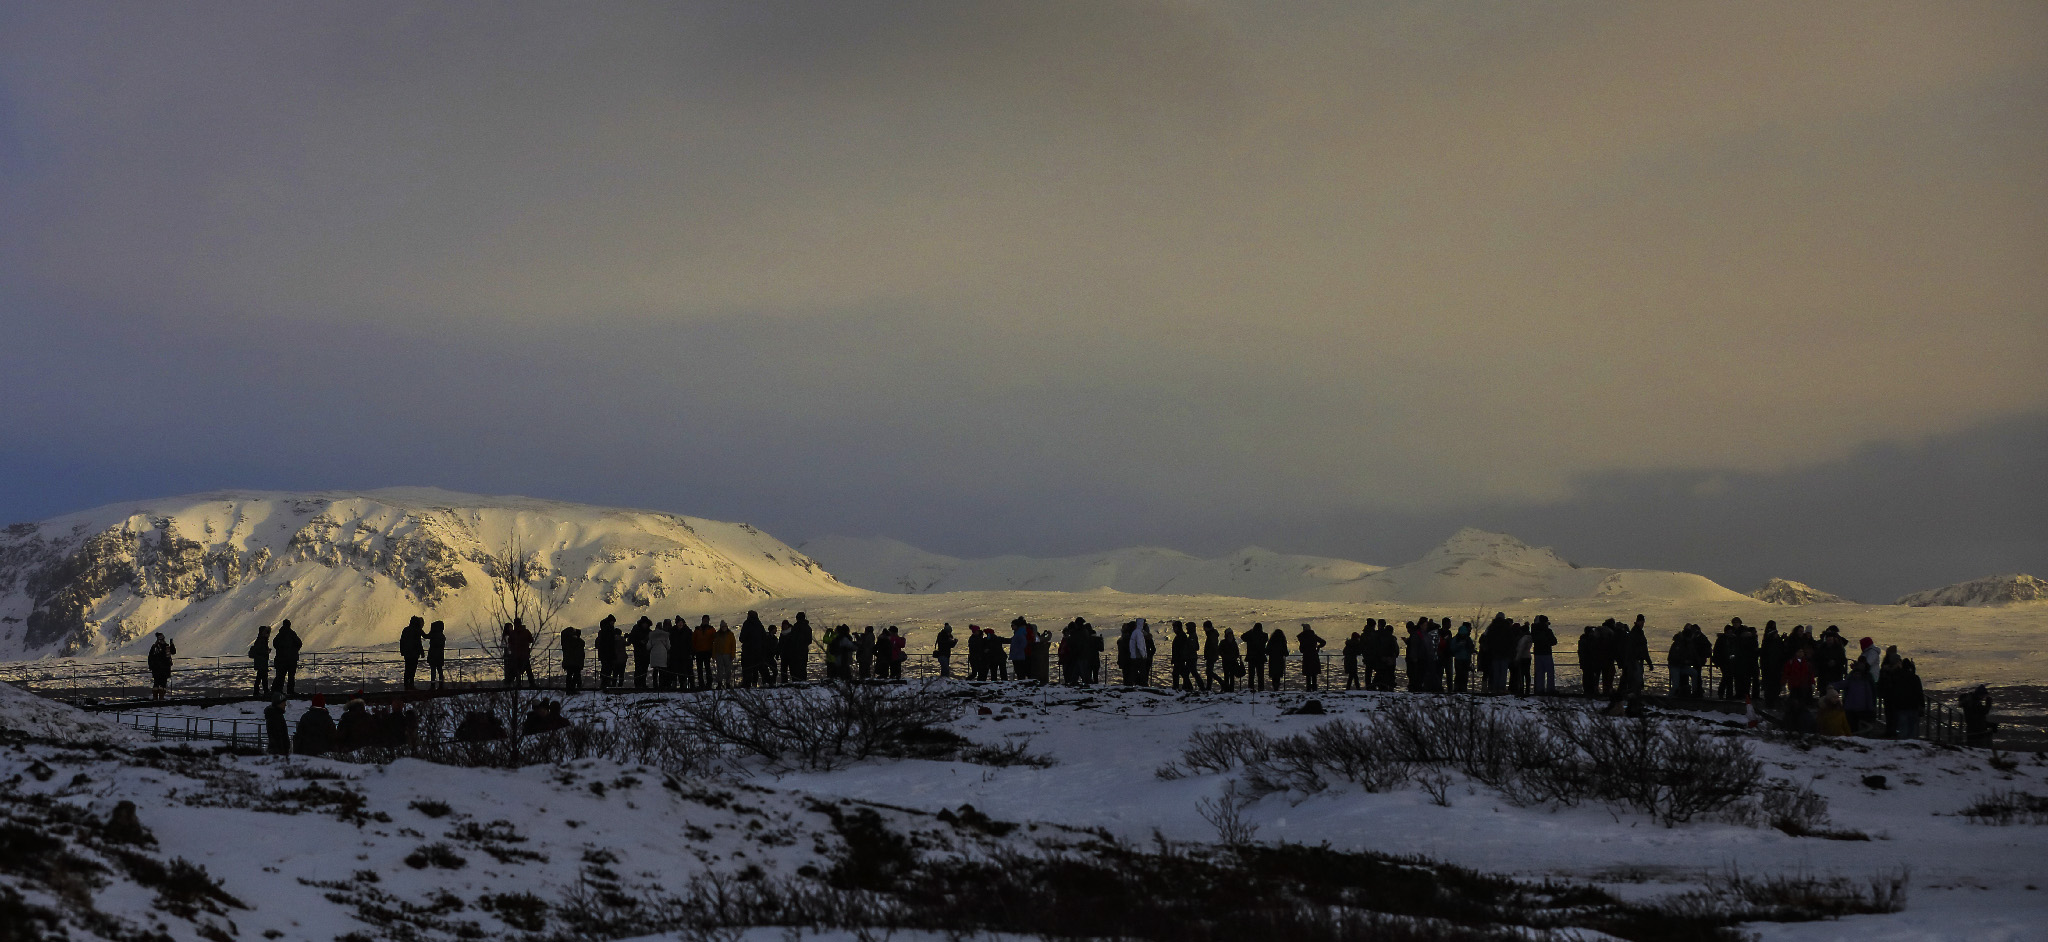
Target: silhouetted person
160, 655
277, 729
284, 658
259, 655
437, 655
1310, 645
316, 729
572, 660
412, 646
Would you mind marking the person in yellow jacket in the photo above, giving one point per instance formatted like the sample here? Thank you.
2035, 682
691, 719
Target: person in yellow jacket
724, 645
1834, 721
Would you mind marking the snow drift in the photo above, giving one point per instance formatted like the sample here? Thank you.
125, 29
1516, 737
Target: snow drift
348, 568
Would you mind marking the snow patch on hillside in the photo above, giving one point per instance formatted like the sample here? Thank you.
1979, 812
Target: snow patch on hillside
1472, 567
1990, 590
887, 565
348, 567
1787, 592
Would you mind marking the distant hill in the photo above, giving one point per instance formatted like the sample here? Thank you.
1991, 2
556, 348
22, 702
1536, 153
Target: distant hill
1473, 566
1787, 592
348, 568
886, 565
1990, 590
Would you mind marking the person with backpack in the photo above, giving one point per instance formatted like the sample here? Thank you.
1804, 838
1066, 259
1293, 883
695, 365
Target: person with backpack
1276, 657
723, 647
1255, 655
942, 649
518, 644
160, 655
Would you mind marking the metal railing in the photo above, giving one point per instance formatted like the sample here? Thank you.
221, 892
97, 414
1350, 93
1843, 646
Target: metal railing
241, 732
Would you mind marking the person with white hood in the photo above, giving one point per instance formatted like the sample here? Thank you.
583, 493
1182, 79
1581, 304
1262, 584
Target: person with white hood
658, 643
1139, 652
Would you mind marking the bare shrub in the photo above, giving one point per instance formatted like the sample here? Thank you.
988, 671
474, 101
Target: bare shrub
1007, 753
1671, 771
1436, 783
1226, 814
1793, 809
2007, 806
1222, 748
1353, 753
1794, 897
826, 726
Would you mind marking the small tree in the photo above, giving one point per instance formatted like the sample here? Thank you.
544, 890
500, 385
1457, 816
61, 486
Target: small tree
525, 589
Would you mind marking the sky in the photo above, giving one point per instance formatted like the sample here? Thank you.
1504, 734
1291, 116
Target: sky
1748, 289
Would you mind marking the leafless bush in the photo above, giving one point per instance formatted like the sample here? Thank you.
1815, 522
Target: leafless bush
826, 726
1672, 771
1793, 897
1226, 814
1794, 809
1221, 748
2007, 806
1437, 784
1007, 753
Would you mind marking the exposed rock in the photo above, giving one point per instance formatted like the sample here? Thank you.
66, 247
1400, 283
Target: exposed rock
1787, 592
1990, 590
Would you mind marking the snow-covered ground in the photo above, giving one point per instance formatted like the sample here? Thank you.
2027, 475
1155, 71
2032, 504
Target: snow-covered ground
311, 864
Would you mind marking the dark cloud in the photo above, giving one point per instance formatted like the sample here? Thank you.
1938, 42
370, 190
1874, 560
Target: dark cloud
1035, 275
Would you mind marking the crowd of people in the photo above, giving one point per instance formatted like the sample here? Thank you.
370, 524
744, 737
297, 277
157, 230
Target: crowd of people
1806, 681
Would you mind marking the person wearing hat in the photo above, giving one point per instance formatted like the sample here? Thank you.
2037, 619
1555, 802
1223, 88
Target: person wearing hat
316, 729
437, 655
276, 728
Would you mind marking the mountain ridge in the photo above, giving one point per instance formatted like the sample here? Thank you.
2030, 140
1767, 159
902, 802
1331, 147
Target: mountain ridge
348, 567
2004, 589
1472, 566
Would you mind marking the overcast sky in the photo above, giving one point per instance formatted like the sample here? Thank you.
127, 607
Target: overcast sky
1746, 288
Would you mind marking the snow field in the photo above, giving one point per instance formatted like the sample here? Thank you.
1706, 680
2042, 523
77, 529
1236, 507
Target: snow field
1967, 880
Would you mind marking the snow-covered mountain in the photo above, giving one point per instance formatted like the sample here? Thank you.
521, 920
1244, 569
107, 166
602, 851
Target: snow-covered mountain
1473, 566
1990, 590
348, 568
1787, 592
893, 566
